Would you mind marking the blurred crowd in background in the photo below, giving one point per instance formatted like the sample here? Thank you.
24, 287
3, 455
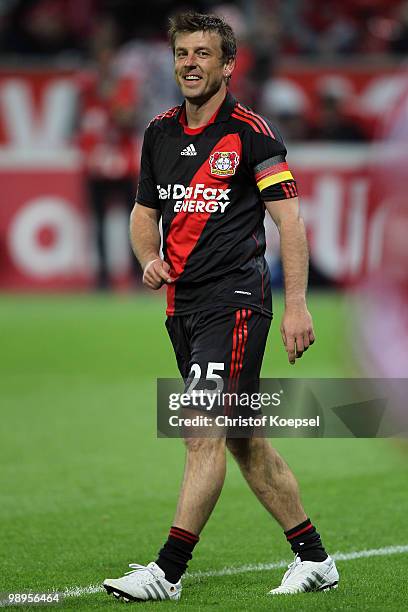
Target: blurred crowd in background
127, 39
288, 27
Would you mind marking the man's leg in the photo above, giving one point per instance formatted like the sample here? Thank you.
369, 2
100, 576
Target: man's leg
269, 478
265, 471
204, 476
205, 463
206, 342
203, 480
276, 488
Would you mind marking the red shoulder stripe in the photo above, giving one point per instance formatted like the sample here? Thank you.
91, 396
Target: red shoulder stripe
251, 123
260, 119
169, 113
243, 113
166, 114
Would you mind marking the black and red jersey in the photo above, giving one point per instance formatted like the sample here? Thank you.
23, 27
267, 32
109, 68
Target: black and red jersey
210, 185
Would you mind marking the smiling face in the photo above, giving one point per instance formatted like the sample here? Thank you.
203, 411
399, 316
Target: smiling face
199, 67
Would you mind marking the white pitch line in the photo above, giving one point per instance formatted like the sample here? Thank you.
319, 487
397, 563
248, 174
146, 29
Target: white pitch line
261, 567
244, 569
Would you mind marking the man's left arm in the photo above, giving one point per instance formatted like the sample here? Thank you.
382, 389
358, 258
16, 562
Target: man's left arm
297, 325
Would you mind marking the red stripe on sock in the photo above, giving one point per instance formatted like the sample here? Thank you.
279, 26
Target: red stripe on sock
293, 535
183, 534
179, 534
179, 537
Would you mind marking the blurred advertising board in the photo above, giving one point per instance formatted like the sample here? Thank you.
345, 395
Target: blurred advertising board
45, 228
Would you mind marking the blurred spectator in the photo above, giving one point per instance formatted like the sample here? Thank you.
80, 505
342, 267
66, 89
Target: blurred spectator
48, 28
106, 137
250, 67
287, 106
150, 63
332, 121
333, 26
399, 43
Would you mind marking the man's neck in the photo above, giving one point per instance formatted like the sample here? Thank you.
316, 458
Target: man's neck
198, 115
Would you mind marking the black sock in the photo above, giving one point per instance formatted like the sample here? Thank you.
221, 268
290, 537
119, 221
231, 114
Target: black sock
176, 553
306, 542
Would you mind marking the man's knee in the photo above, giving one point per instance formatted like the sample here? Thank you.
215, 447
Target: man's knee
204, 445
242, 448
239, 447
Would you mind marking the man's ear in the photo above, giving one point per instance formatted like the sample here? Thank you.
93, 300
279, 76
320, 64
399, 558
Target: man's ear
229, 68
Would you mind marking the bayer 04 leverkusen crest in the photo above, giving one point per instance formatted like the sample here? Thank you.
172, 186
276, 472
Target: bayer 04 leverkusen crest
223, 163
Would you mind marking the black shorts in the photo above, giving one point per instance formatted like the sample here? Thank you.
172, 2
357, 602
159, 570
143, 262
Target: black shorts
227, 344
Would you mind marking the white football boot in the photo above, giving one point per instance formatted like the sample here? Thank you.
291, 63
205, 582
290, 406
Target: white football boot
306, 576
143, 583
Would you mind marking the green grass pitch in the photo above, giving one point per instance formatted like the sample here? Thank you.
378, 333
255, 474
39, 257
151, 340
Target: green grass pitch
86, 487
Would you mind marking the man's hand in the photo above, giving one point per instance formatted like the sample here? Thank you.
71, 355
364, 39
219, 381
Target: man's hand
155, 273
297, 331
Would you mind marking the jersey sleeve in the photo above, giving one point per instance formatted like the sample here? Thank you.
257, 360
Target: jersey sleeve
147, 193
267, 160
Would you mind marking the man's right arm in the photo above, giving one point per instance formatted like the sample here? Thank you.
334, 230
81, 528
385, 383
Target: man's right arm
145, 240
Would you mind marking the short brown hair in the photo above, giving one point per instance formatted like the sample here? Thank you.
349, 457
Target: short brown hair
198, 22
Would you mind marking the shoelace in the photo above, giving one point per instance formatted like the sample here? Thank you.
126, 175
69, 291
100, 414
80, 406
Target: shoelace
137, 567
292, 566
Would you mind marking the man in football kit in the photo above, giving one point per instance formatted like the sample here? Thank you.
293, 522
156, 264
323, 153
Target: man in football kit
209, 169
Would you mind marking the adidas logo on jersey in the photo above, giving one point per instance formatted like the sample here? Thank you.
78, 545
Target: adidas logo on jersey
190, 150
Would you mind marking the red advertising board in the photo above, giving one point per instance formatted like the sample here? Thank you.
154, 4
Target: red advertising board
44, 233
